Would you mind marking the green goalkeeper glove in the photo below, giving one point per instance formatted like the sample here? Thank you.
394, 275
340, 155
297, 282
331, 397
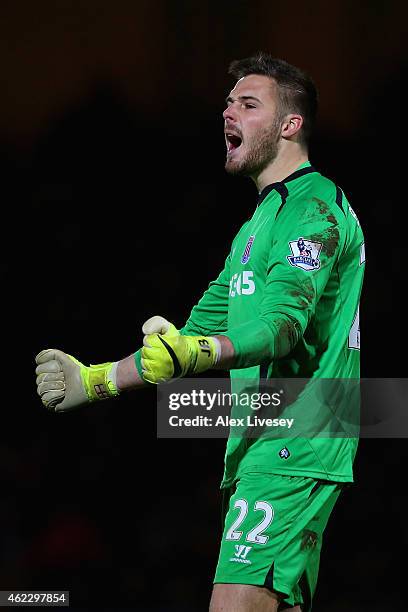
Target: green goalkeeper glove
166, 354
63, 383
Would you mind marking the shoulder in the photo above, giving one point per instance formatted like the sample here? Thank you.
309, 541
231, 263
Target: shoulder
313, 213
317, 197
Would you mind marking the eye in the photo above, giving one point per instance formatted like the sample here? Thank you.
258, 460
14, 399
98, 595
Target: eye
249, 105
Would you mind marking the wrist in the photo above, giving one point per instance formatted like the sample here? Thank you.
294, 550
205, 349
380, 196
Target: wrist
204, 353
100, 381
226, 358
128, 377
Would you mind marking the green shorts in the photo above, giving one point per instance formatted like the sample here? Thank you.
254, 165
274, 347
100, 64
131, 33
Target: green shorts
273, 533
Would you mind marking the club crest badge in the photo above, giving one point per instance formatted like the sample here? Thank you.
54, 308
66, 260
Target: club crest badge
284, 453
305, 254
247, 251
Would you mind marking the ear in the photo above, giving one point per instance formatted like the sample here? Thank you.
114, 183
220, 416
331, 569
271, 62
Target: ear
291, 125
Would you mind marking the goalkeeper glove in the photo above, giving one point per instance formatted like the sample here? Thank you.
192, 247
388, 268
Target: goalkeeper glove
63, 383
166, 354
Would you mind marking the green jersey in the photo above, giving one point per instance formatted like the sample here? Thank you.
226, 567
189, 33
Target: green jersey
288, 299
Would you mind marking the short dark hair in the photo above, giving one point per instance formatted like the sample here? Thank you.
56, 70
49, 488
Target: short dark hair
297, 92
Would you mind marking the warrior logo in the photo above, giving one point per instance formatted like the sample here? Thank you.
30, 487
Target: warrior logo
240, 553
247, 252
305, 254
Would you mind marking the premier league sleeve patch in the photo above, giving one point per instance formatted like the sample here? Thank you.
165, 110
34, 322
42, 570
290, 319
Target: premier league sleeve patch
305, 254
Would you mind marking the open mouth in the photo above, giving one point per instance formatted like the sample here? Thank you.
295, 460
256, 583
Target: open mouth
233, 141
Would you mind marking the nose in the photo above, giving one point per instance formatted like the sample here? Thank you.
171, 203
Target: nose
230, 113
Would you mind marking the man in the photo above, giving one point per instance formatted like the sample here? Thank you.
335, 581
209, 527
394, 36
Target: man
285, 305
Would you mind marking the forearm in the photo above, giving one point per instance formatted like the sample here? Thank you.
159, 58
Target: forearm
257, 341
167, 354
127, 375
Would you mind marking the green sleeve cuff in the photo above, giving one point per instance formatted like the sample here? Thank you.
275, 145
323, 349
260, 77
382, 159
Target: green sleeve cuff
138, 362
263, 339
254, 343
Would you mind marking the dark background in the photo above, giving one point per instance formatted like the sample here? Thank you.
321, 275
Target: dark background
116, 207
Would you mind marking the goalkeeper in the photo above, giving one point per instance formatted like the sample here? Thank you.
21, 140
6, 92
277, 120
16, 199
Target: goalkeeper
285, 305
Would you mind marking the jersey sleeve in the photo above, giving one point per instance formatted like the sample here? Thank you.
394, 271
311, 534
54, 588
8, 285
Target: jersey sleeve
210, 315
305, 246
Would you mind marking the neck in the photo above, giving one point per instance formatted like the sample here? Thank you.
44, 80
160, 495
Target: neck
284, 164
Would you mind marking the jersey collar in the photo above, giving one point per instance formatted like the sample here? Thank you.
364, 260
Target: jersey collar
280, 186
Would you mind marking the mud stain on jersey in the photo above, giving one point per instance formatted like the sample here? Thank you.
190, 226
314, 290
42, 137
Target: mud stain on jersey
304, 293
330, 237
309, 539
289, 333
